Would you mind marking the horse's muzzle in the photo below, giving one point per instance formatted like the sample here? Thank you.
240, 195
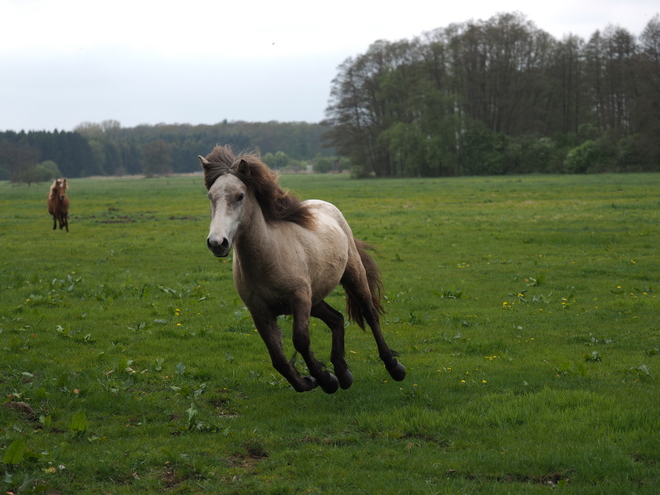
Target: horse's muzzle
219, 249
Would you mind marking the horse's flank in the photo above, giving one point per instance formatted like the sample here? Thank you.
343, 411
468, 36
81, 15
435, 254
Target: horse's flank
275, 202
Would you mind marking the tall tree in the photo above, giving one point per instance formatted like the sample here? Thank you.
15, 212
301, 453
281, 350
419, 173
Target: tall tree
19, 159
566, 104
646, 113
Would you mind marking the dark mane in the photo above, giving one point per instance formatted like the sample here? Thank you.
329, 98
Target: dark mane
276, 203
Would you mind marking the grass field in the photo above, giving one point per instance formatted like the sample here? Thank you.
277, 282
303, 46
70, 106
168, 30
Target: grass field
525, 309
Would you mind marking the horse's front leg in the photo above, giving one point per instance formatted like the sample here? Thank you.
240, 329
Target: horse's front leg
272, 337
301, 341
54, 222
335, 321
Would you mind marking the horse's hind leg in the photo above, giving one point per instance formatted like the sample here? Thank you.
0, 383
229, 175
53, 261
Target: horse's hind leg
301, 341
272, 337
66, 221
393, 367
335, 321
358, 289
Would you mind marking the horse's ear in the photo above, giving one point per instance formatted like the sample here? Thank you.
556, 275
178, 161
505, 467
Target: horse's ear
243, 168
205, 163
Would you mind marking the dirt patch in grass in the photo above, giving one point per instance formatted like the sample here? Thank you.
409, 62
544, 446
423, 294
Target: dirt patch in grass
550, 479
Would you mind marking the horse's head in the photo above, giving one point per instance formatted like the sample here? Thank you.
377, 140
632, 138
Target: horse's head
62, 188
58, 189
228, 195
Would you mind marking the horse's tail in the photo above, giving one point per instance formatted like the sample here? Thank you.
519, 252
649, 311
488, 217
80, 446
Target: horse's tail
374, 280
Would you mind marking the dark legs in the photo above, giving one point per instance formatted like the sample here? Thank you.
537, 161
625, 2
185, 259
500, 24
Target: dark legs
358, 290
63, 220
301, 341
272, 337
396, 370
335, 321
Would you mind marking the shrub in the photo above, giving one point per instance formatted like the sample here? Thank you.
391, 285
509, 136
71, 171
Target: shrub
583, 158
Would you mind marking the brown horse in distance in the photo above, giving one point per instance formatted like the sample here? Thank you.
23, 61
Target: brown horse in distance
58, 204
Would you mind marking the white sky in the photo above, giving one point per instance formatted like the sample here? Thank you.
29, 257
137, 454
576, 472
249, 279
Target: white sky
63, 62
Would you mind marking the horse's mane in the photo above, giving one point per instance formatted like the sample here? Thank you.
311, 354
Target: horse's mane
276, 203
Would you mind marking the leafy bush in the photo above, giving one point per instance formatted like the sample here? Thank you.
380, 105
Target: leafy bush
482, 151
533, 154
276, 161
583, 158
323, 165
630, 156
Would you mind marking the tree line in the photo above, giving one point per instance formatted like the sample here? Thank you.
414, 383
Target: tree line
481, 97
106, 148
500, 96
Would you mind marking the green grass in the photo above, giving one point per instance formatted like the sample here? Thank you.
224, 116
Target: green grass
525, 309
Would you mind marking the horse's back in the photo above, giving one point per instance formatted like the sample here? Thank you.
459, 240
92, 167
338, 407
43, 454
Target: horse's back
327, 214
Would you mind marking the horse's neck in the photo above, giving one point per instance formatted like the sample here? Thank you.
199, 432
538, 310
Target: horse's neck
255, 233
254, 244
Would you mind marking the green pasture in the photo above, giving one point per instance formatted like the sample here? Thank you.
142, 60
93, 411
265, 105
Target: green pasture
525, 309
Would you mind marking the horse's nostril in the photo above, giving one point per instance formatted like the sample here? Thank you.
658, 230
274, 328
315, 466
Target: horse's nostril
213, 244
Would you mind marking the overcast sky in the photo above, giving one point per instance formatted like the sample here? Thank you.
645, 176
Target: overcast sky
63, 62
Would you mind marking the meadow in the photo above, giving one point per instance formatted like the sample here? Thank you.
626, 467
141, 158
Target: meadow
526, 310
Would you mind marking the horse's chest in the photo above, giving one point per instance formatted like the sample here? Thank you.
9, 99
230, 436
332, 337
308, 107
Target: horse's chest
258, 281
264, 297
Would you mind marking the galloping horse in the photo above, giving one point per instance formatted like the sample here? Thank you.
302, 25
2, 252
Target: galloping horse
288, 256
58, 204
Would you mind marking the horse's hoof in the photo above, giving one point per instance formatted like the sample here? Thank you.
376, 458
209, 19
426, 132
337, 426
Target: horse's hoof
398, 373
345, 379
331, 386
311, 383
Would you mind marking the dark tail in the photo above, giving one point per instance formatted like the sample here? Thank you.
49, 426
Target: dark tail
355, 313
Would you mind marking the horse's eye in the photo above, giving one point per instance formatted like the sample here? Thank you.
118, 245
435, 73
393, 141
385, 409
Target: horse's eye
240, 197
